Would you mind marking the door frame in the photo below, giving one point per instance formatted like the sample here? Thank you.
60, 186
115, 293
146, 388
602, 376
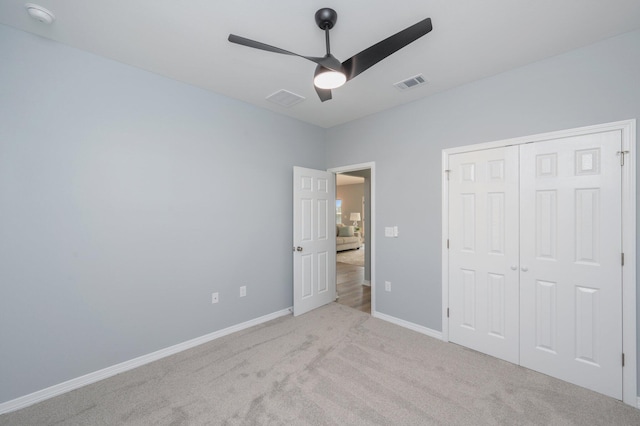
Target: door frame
629, 336
372, 220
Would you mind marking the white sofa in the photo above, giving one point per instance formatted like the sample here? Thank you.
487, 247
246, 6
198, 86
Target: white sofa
347, 238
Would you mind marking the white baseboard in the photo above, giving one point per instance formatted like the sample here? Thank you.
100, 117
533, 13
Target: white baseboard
87, 379
410, 325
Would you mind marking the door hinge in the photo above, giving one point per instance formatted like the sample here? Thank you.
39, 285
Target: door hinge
623, 359
621, 154
447, 244
447, 173
447, 312
622, 258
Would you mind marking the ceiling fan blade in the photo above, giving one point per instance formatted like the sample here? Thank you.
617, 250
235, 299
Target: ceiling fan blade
327, 62
257, 45
323, 94
374, 54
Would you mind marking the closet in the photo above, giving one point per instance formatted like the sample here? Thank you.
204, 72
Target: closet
534, 272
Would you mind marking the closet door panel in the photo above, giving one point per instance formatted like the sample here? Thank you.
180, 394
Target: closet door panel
483, 252
570, 278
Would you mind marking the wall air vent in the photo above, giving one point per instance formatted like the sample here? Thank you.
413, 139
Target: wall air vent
412, 82
285, 98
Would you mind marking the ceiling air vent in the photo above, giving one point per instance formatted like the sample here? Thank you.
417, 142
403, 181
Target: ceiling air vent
412, 82
285, 98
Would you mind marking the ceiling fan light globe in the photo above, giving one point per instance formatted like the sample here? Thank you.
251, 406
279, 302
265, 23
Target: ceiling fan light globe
329, 79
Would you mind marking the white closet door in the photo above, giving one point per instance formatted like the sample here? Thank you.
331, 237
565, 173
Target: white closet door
483, 251
570, 281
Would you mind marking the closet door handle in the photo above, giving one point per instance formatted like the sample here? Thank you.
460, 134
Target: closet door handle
514, 267
524, 269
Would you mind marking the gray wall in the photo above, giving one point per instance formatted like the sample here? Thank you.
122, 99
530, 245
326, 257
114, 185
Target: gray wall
126, 199
592, 85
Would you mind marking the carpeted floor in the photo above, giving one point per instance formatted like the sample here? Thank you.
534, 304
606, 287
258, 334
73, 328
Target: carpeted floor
352, 257
331, 366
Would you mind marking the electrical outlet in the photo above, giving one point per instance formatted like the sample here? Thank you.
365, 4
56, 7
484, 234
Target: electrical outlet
387, 286
243, 291
214, 297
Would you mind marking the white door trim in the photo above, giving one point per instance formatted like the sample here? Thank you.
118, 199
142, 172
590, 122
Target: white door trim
372, 220
629, 336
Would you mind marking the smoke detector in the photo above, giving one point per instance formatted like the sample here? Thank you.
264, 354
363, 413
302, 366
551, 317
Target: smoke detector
39, 13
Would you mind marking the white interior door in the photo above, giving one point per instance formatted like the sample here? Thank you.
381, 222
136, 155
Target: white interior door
571, 273
314, 243
483, 251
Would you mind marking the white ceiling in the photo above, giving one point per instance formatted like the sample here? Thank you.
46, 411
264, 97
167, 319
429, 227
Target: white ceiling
187, 41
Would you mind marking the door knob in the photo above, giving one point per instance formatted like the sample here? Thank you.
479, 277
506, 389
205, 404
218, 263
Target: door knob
298, 248
514, 267
524, 269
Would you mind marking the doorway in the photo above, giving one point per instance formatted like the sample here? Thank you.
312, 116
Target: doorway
355, 284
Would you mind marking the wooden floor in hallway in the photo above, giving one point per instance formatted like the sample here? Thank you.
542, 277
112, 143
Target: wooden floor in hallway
351, 291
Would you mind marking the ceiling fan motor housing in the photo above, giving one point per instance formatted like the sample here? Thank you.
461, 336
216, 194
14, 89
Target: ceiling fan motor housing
326, 18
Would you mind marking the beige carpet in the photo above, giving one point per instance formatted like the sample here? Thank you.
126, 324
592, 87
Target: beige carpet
352, 257
332, 366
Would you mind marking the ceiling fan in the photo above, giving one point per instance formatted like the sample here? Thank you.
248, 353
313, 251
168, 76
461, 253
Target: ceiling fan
330, 72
